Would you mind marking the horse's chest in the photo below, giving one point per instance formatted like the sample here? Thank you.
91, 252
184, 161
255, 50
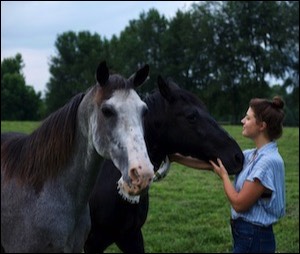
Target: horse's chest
131, 216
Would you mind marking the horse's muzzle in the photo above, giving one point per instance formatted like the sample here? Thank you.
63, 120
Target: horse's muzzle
140, 180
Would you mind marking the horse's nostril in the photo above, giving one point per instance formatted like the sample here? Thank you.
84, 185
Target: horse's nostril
134, 175
140, 177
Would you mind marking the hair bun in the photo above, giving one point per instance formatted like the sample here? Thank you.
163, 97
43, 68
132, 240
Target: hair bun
277, 102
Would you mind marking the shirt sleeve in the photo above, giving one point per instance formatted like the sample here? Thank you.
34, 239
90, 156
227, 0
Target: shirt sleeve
263, 169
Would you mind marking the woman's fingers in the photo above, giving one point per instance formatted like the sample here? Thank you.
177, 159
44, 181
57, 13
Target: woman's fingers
215, 165
212, 163
220, 162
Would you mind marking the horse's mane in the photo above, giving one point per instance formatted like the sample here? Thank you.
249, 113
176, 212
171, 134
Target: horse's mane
154, 101
42, 154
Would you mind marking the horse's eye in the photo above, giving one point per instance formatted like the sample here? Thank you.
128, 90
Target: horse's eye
108, 111
192, 117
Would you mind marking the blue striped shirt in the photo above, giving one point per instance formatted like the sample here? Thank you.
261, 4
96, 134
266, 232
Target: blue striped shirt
267, 166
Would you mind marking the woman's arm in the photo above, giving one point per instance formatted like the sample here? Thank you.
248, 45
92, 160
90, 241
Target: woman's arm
190, 161
248, 195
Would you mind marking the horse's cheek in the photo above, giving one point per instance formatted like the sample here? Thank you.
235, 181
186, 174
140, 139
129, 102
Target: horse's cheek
101, 142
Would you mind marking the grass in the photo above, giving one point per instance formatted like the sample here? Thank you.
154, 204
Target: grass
19, 126
189, 211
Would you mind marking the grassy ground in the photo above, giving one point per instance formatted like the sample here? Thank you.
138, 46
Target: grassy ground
190, 213
25, 126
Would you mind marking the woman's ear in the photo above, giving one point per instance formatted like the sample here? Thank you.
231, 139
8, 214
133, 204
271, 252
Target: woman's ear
263, 126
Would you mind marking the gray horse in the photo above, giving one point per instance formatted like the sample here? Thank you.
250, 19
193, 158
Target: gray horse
47, 176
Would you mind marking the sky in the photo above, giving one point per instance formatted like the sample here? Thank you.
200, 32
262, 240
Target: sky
31, 27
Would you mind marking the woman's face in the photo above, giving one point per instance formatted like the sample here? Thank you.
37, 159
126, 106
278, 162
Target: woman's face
250, 127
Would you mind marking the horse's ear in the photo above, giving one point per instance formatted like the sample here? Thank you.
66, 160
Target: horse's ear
140, 76
164, 89
102, 73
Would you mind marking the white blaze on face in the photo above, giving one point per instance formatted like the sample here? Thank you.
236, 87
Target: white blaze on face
130, 135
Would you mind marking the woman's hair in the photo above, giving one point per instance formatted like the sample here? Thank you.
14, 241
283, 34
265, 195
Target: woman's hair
270, 112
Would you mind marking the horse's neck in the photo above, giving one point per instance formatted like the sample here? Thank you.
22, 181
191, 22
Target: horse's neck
83, 171
155, 129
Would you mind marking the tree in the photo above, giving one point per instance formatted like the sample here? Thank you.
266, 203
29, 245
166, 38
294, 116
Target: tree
139, 44
73, 69
247, 41
18, 100
223, 51
177, 49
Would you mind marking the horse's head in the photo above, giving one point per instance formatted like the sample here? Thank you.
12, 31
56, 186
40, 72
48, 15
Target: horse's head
115, 126
189, 129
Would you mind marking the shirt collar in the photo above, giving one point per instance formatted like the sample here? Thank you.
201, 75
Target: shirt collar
267, 147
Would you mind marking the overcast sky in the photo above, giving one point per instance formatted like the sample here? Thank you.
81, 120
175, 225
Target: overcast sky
31, 27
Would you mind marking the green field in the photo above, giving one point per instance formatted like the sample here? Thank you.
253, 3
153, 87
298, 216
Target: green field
190, 213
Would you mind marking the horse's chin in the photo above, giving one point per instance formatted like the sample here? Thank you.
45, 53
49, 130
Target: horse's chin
129, 192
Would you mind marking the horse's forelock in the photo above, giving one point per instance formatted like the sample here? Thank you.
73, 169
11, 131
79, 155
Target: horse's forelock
115, 82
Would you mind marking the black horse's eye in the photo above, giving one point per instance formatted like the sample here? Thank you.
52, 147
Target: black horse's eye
192, 116
108, 111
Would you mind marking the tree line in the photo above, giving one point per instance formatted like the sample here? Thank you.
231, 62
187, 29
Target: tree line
223, 51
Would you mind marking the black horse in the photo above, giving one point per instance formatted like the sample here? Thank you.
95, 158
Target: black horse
177, 122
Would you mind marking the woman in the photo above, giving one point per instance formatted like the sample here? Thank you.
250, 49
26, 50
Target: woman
257, 196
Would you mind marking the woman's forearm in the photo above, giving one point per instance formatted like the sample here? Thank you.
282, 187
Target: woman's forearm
190, 162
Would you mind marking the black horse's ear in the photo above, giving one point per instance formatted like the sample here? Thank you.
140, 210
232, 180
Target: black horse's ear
140, 76
102, 73
164, 89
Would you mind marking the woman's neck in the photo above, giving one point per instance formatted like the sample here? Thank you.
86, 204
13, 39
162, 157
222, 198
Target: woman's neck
261, 140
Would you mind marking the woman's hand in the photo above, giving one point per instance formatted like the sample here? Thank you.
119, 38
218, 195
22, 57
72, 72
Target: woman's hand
219, 169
